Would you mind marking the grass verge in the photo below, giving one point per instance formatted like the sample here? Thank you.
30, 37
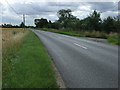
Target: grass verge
62, 32
111, 38
31, 67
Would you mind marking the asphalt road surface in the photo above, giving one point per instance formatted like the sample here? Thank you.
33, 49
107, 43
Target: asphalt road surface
82, 63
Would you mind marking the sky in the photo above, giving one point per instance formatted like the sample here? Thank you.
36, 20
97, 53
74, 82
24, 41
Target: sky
11, 11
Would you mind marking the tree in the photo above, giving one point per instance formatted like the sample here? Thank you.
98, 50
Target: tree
41, 22
54, 25
94, 21
63, 14
49, 25
65, 17
109, 24
22, 25
117, 23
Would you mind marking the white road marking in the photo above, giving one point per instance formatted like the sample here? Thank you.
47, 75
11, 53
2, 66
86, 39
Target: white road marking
66, 36
80, 46
74, 43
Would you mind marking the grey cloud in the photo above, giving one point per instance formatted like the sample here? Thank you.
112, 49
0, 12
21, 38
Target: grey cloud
53, 7
49, 9
108, 13
104, 6
6, 19
43, 8
64, 4
119, 5
2, 7
1, 4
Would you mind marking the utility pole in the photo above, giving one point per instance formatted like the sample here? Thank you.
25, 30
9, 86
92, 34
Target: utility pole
24, 20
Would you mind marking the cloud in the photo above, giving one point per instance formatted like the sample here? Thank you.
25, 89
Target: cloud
109, 13
34, 9
2, 7
1, 4
11, 20
104, 6
119, 5
42, 7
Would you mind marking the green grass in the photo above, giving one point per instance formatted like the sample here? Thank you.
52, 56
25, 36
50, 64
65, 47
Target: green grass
31, 67
111, 38
62, 32
114, 38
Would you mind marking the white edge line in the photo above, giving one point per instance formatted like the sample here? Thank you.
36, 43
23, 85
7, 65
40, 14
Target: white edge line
80, 46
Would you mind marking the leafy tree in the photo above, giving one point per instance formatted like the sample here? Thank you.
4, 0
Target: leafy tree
49, 25
41, 22
56, 25
117, 23
65, 17
94, 21
22, 25
108, 24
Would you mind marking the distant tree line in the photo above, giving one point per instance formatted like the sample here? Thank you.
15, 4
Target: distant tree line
9, 26
93, 22
15, 26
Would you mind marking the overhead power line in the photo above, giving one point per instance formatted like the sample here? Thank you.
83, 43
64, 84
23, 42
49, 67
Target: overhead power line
12, 8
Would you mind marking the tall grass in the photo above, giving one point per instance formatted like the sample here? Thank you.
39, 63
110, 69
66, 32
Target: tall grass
82, 33
11, 41
31, 67
95, 34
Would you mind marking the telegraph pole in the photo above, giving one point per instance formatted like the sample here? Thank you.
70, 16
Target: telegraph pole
24, 20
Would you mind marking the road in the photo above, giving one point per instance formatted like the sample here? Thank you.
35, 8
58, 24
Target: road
82, 63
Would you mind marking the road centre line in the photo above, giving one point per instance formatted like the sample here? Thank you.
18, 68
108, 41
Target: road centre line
75, 44
80, 46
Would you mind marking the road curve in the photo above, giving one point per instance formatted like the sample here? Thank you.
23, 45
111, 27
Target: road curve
82, 63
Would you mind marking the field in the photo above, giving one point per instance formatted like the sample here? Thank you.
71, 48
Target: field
26, 63
11, 38
11, 41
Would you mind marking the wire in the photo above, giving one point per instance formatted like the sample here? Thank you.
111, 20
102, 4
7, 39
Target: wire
12, 8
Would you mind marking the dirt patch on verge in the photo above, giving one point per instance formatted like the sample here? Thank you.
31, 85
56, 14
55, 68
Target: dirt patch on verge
58, 77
